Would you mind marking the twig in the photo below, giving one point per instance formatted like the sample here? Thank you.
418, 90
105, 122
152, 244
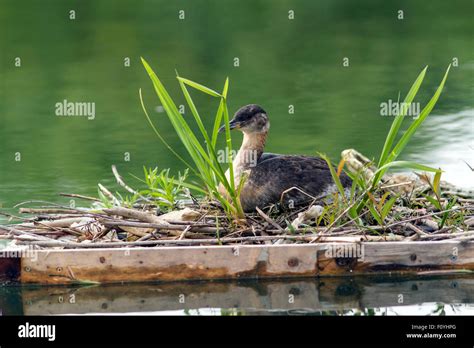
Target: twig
205, 241
162, 226
268, 219
16, 232
109, 194
49, 211
124, 185
74, 195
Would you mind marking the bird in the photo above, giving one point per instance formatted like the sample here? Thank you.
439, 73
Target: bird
270, 178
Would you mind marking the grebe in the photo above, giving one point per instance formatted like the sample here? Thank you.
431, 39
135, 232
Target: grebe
270, 175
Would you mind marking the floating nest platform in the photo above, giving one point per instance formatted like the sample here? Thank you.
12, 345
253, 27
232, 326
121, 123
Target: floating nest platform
61, 245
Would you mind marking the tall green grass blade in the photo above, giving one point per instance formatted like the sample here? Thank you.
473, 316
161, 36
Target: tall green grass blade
219, 114
433, 201
204, 164
159, 135
387, 207
200, 87
407, 164
436, 183
416, 124
397, 122
219, 172
228, 141
207, 166
374, 212
334, 175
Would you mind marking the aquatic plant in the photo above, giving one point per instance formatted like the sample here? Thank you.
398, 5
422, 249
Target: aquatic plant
163, 188
380, 208
206, 167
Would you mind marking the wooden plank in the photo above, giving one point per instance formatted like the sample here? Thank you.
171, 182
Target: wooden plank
397, 257
244, 261
168, 264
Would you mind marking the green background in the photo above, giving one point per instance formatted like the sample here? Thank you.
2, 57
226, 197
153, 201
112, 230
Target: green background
282, 62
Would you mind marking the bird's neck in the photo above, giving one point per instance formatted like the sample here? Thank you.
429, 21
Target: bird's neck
247, 157
250, 150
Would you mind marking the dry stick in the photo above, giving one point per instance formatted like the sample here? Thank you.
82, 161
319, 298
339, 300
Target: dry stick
423, 216
418, 232
109, 194
23, 233
158, 226
74, 195
66, 222
124, 185
183, 234
192, 223
343, 213
463, 238
57, 225
197, 242
49, 211
447, 235
430, 223
133, 214
395, 185
268, 219
205, 229
36, 201
22, 218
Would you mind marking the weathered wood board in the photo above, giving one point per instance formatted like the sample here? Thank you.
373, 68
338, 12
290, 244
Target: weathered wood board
239, 262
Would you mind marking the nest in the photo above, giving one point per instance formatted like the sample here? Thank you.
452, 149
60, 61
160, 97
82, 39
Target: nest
204, 223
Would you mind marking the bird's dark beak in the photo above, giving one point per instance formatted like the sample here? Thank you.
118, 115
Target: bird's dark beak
233, 124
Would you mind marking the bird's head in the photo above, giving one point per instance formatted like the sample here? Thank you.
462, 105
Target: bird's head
249, 119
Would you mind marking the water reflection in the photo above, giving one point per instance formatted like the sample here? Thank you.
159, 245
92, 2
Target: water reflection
332, 296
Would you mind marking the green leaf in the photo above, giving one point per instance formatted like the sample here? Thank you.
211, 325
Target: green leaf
433, 201
404, 164
334, 175
200, 87
399, 118
436, 183
387, 207
417, 123
374, 212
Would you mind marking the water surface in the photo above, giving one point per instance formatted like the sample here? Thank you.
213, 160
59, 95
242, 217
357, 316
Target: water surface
331, 296
282, 62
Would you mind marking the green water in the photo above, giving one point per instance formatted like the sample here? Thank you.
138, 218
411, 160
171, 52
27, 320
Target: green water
282, 62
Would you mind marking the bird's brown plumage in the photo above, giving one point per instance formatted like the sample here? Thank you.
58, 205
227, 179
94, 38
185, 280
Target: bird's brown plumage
270, 175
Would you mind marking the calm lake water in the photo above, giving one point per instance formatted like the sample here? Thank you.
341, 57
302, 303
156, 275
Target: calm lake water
332, 296
282, 62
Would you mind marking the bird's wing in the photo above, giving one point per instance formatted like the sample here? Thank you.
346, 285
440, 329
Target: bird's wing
270, 178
